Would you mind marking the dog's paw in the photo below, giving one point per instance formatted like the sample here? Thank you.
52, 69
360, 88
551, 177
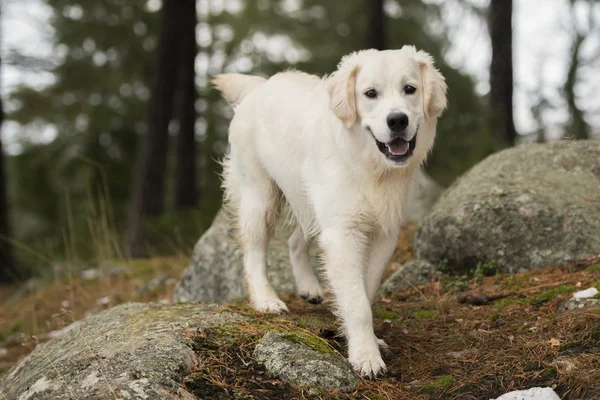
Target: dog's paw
368, 364
311, 292
271, 306
382, 344
384, 347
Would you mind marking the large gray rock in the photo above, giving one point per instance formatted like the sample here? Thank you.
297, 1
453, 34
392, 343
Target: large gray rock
216, 273
412, 273
132, 351
293, 360
523, 208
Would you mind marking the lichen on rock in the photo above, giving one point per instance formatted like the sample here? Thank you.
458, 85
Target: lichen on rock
526, 207
134, 351
295, 362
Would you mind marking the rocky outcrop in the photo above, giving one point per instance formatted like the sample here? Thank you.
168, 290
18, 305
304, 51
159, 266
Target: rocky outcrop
132, 351
526, 207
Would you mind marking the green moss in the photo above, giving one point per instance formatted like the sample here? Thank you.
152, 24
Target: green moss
513, 282
593, 268
145, 266
502, 303
486, 269
424, 314
384, 314
496, 317
309, 321
312, 341
597, 284
445, 381
595, 334
549, 373
442, 384
456, 284
15, 327
552, 293
229, 334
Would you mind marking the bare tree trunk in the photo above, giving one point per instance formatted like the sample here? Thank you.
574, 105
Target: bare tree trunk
186, 187
148, 195
9, 271
578, 128
501, 71
8, 267
376, 37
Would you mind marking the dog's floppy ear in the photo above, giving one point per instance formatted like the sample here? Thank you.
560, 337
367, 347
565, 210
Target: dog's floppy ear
342, 85
434, 86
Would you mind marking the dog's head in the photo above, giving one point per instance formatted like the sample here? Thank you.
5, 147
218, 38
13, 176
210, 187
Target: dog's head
393, 97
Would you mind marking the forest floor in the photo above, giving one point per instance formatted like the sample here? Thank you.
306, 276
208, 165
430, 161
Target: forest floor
442, 345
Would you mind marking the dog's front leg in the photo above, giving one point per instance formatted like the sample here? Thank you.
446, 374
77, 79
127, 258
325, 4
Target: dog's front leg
345, 254
380, 253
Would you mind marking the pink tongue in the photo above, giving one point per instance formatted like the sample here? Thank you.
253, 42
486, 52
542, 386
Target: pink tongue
397, 147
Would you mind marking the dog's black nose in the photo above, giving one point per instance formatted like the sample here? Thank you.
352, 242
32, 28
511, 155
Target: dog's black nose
397, 122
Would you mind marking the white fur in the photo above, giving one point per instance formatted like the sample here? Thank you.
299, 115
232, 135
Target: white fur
309, 141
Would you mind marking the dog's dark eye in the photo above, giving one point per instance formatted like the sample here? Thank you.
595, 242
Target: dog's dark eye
409, 89
372, 93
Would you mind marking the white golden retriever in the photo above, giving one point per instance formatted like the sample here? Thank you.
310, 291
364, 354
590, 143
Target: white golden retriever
341, 151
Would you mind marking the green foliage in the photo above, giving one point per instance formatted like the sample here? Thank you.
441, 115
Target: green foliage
502, 303
552, 293
425, 314
485, 269
594, 268
442, 384
380, 313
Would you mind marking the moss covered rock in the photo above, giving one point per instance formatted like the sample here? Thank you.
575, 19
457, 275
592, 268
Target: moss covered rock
523, 208
306, 360
132, 351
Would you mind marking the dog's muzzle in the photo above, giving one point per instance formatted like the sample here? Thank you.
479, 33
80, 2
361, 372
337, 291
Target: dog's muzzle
397, 150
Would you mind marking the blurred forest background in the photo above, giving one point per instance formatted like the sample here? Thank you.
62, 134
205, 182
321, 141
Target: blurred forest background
116, 154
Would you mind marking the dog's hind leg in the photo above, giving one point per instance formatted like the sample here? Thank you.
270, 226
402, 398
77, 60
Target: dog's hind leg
307, 284
256, 201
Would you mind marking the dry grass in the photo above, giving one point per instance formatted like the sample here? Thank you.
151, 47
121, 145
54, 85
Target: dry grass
28, 319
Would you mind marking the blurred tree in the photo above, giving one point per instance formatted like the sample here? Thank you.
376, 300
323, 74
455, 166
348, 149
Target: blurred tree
376, 31
8, 267
501, 71
148, 193
577, 127
79, 133
186, 185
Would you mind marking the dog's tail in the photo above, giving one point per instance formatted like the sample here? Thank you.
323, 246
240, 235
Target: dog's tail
235, 87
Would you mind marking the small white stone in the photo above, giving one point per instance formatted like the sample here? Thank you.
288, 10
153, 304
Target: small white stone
103, 300
586, 294
531, 394
90, 274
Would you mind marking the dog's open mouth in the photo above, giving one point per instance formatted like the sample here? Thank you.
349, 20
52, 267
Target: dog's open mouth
398, 150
